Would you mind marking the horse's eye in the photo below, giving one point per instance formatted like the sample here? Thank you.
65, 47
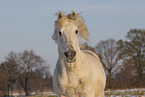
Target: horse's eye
76, 31
59, 33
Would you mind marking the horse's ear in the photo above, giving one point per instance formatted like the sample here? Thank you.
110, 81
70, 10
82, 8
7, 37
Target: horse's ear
59, 16
73, 13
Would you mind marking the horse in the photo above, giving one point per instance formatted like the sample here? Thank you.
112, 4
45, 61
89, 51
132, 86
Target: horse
78, 73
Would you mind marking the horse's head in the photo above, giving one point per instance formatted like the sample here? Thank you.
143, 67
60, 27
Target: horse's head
67, 30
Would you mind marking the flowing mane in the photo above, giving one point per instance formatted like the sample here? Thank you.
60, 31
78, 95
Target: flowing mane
76, 19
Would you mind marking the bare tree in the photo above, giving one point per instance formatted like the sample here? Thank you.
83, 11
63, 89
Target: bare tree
3, 83
25, 69
86, 46
30, 66
109, 56
9, 71
133, 50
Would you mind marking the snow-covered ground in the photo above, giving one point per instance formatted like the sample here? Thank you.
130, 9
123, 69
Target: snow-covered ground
111, 91
122, 91
126, 90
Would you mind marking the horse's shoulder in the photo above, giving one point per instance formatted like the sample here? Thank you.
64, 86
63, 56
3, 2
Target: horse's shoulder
91, 53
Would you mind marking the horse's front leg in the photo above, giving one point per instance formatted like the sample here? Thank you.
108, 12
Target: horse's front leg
62, 96
90, 94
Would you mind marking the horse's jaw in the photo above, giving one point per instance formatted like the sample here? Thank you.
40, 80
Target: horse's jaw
70, 64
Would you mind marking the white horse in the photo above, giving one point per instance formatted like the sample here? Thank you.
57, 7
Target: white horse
78, 73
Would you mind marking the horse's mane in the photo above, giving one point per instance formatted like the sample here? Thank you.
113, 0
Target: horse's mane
74, 18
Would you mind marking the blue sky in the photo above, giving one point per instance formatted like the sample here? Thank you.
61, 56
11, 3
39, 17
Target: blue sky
29, 24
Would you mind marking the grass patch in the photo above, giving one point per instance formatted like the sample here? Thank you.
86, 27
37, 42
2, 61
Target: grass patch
125, 93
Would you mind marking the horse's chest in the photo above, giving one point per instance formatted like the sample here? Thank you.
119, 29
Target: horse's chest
69, 80
70, 84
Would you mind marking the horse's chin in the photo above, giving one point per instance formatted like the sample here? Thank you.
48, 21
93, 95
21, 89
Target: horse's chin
70, 61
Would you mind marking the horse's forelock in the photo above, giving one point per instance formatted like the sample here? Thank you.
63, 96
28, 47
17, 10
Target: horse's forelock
76, 19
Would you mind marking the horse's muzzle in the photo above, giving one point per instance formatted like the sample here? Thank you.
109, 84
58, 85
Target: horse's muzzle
70, 54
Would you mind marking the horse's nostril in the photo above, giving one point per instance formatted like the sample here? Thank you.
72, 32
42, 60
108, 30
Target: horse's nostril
73, 53
66, 54
70, 54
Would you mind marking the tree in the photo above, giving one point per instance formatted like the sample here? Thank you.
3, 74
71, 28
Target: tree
3, 84
133, 49
109, 55
9, 71
23, 69
124, 77
86, 46
31, 66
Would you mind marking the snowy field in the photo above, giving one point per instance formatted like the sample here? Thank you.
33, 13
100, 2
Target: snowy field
124, 91
118, 91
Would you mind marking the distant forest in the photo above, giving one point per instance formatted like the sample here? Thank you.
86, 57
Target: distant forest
123, 61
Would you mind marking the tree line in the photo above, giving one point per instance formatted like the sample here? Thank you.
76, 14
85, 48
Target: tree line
26, 72
123, 61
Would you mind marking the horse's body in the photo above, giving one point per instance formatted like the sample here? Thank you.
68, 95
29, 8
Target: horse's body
78, 73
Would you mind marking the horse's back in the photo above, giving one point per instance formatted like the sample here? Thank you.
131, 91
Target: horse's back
91, 53
94, 62
98, 73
